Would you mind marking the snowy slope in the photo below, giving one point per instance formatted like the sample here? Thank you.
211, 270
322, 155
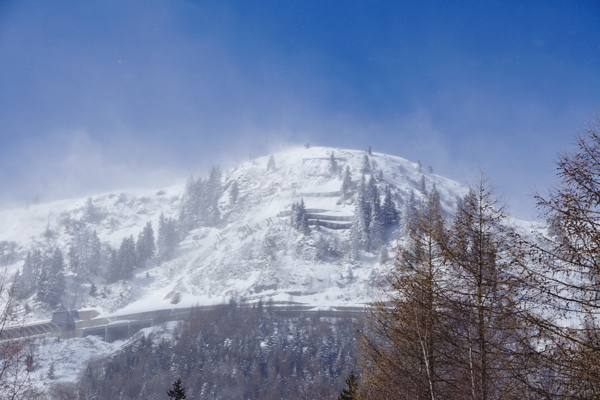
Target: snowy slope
253, 252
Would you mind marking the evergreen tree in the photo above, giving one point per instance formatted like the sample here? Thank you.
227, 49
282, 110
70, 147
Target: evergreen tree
351, 393
114, 266
51, 281
422, 186
189, 206
28, 279
167, 238
371, 188
234, 193
145, 246
73, 258
271, 164
332, 164
388, 210
178, 391
359, 230
366, 165
90, 213
346, 188
213, 195
127, 258
91, 255
298, 218
410, 210
376, 224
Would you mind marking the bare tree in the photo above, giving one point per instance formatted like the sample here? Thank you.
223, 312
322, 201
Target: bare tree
567, 272
453, 323
17, 356
403, 347
489, 332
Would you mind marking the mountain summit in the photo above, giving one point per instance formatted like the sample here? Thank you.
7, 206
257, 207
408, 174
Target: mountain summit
307, 225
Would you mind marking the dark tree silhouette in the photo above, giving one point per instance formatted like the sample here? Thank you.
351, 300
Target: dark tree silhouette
178, 391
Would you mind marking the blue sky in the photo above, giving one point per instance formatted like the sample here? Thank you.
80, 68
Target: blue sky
97, 96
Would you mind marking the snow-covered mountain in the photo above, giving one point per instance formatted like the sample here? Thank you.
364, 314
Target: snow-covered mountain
252, 251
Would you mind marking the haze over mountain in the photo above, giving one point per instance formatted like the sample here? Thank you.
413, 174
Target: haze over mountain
249, 248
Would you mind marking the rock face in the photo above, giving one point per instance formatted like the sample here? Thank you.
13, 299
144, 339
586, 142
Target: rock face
255, 249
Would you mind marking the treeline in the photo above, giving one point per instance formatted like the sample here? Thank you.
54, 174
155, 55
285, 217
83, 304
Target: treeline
231, 352
474, 310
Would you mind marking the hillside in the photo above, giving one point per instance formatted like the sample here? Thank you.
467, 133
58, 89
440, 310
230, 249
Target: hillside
251, 252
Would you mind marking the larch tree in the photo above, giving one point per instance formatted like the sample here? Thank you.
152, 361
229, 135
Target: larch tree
402, 344
489, 332
567, 271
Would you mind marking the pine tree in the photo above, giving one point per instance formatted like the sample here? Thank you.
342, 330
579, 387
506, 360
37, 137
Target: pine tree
234, 193
189, 206
29, 277
332, 164
51, 281
422, 186
376, 224
213, 195
388, 210
271, 164
127, 258
167, 238
90, 213
371, 188
346, 188
298, 217
410, 210
351, 393
178, 391
359, 230
145, 246
366, 165
114, 266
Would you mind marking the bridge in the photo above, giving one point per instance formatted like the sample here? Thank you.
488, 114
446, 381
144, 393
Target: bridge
68, 324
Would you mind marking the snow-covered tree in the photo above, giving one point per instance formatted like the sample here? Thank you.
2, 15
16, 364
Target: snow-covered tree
234, 193
51, 281
90, 213
347, 185
127, 258
422, 186
366, 165
167, 238
28, 279
332, 164
359, 230
388, 210
410, 210
271, 164
371, 188
213, 194
188, 219
376, 233
298, 218
145, 246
